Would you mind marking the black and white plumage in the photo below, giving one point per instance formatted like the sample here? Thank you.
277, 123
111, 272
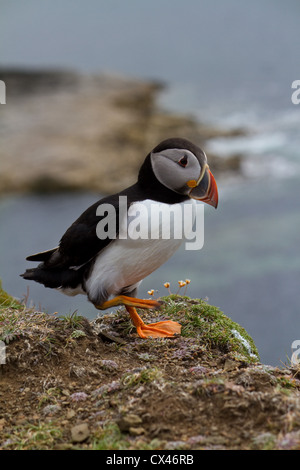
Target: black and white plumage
109, 270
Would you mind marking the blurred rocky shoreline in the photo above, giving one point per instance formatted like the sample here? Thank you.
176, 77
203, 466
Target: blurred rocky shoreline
62, 130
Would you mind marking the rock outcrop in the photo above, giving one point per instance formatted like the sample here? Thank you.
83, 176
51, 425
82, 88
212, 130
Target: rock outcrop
61, 130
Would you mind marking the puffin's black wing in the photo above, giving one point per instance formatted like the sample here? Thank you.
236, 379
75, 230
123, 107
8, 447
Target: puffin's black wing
42, 256
64, 266
80, 243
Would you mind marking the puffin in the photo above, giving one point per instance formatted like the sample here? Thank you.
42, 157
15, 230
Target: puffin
97, 257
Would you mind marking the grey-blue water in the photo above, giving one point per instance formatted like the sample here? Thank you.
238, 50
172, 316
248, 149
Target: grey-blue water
231, 63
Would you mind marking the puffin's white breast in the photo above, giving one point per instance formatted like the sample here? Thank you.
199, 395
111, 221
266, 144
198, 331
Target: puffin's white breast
145, 242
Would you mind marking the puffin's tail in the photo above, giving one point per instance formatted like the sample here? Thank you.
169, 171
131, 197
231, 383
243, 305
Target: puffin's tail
42, 273
51, 273
54, 277
29, 274
50, 278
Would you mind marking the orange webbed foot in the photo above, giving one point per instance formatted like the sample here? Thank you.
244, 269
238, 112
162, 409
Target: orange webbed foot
161, 329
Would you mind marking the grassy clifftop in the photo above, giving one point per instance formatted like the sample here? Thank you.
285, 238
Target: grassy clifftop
70, 383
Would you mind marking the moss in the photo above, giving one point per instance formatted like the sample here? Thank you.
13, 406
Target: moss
110, 438
10, 312
286, 384
16, 321
42, 436
7, 301
197, 317
145, 375
216, 330
264, 441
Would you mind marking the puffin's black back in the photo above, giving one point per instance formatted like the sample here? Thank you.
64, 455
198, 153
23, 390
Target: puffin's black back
177, 143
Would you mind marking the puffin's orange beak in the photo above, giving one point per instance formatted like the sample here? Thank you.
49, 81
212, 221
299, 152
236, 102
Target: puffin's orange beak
206, 190
211, 196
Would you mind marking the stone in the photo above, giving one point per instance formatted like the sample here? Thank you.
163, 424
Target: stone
80, 432
50, 410
129, 421
136, 431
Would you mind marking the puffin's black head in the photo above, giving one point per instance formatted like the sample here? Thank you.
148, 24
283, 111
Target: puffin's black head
182, 167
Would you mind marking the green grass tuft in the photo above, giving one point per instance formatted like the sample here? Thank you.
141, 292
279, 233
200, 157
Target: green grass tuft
110, 438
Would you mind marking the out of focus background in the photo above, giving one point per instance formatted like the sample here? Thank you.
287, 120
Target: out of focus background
92, 86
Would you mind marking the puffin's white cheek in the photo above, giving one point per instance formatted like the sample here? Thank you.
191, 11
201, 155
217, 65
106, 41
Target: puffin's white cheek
165, 173
171, 175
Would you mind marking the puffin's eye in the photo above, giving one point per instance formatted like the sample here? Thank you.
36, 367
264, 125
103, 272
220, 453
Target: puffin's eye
183, 161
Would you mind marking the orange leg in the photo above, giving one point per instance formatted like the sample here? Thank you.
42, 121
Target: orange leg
162, 329
130, 302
